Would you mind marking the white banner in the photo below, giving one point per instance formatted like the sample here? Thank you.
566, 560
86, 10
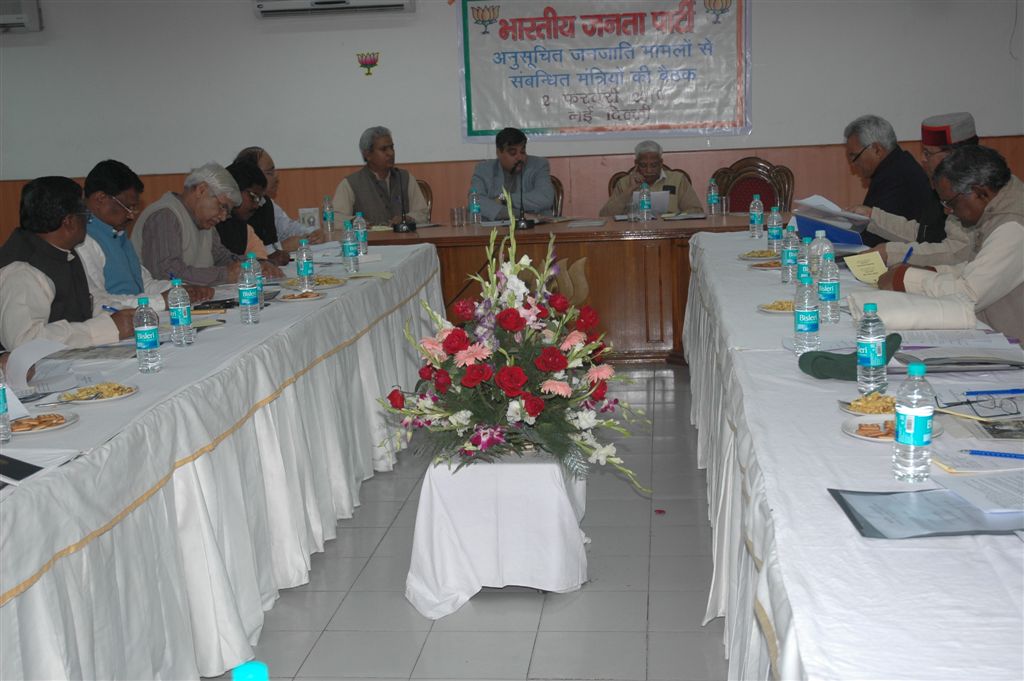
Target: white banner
570, 67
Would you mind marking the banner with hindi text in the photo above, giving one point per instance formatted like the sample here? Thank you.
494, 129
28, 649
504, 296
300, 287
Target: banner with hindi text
576, 67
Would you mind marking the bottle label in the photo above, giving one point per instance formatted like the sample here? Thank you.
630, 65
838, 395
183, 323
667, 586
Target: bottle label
756, 219
712, 199
828, 291
328, 217
802, 270
788, 257
181, 315
3, 400
362, 235
914, 425
805, 321
871, 353
350, 249
260, 280
474, 207
774, 233
645, 203
147, 338
305, 268
248, 296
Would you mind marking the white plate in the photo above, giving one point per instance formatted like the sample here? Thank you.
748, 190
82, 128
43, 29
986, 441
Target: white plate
758, 258
70, 419
134, 388
286, 299
850, 427
844, 405
763, 308
293, 284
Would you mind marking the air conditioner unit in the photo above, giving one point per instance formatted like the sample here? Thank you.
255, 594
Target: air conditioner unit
287, 8
20, 16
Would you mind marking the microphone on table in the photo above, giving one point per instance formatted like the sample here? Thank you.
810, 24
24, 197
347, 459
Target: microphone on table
522, 222
406, 224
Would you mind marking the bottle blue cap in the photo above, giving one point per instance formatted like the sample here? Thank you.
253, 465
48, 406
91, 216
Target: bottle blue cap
807, 239
175, 282
303, 242
348, 224
917, 369
251, 256
359, 213
828, 256
870, 307
757, 197
143, 301
775, 209
246, 265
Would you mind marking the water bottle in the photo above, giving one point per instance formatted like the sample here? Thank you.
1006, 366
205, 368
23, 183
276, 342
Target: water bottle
474, 207
248, 295
713, 208
915, 407
304, 266
350, 249
756, 217
362, 233
805, 317
328, 214
180, 307
871, 376
255, 266
790, 248
775, 231
147, 338
819, 247
803, 259
828, 290
5, 416
645, 214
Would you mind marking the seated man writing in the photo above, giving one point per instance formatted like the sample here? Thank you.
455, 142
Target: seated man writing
527, 179
650, 169
237, 235
384, 194
44, 292
974, 184
111, 265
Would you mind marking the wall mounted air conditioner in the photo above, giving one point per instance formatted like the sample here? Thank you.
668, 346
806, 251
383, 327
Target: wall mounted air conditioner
287, 8
20, 16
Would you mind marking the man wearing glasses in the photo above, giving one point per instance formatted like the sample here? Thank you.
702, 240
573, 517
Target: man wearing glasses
650, 168
236, 232
43, 289
897, 184
112, 195
175, 236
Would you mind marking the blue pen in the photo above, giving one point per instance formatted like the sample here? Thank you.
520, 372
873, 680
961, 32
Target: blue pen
986, 452
109, 309
1009, 391
910, 252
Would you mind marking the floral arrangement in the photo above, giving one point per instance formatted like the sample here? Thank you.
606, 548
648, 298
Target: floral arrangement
522, 371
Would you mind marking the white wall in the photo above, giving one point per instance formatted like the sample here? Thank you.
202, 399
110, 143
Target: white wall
165, 85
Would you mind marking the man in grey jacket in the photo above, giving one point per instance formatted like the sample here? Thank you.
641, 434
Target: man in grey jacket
527, 179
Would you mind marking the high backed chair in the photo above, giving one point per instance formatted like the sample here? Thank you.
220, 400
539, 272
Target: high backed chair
614, 180
556, 208
428, 194
752, 175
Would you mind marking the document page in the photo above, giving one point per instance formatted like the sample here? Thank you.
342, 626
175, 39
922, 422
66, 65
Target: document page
1002, 493
867, 267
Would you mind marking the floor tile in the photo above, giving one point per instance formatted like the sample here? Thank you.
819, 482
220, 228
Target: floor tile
496, 611
373, 514
407, 516
302, 610
329, 573
387, 487
354, 541
595, 611
679, 512
589, 655
680, 573
681, 540
677, 610
284, 651
685, 656
618, 513
383, 573
397, 542
377, 611
617, 573
617, 541
344, 654
475, 655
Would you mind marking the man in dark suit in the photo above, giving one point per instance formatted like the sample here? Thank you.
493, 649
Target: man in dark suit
527, 179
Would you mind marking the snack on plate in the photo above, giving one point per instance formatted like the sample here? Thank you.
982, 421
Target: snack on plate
874, 403
100, 391
759, 254
301, 296
41, 422
767, 265
779, 306
885, 429
318, 280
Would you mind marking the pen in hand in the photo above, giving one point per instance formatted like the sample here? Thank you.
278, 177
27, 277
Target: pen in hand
910, 252
109, 309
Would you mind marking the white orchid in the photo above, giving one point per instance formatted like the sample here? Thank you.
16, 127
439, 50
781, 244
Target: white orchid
603, 455
461, 420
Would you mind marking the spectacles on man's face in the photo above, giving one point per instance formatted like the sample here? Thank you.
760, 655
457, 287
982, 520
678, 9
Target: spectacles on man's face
256, 198
948, 204
224, 208
855, 157
132, 214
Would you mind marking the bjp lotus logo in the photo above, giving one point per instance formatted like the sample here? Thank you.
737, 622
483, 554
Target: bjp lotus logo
485, 16
368, 60
718, 8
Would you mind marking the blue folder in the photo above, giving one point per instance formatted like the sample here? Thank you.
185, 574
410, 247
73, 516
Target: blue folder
806, 226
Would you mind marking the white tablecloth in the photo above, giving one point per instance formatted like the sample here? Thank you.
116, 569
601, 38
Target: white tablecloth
804, 595
155, 554
515, 522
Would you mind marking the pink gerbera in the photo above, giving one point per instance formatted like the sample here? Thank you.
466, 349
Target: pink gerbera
560, 388
600, 372
572, 339
432, 349
477, 352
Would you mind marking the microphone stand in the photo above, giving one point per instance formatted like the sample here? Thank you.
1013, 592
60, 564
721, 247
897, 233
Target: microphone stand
523, 222
406, 224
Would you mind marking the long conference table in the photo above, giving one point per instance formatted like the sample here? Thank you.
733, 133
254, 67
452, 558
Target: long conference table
803, 594
156, 551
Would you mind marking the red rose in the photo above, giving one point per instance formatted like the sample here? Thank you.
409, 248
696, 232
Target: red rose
534, 405
396, 398
426, 372
559, 303
511, 380
542, 312
455, 341
600, 390
511, 320
551, 360
442, 381
588, 319
476, 374
464, 309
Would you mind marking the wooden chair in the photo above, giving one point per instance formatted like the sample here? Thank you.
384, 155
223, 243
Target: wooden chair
622, 173
556, 209
428, 194
753, 175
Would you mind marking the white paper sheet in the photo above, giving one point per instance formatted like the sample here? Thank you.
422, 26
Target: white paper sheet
1003, 493
967, 338
24, 356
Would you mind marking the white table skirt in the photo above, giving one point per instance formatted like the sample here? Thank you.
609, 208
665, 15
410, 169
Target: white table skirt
156, 553
515, 522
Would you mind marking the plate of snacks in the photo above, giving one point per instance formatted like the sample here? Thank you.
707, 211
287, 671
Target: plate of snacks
872, 403
763, 254
320, 282
302, 296
784, 306
43, 423
775, 264
879, 427
100, 392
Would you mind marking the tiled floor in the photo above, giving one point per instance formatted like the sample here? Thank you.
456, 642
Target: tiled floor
639, 617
